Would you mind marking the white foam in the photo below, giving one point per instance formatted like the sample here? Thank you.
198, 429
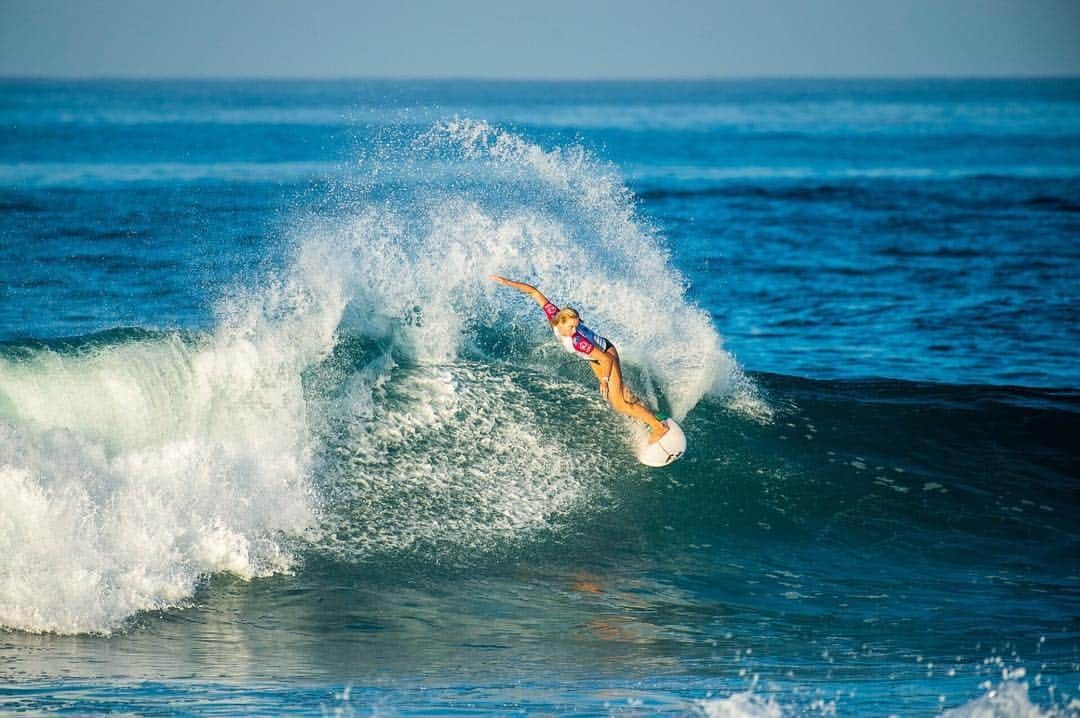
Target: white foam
457, 464
130, 470
1008, 699
745, 704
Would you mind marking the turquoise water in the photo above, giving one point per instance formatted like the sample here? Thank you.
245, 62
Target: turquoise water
270, 441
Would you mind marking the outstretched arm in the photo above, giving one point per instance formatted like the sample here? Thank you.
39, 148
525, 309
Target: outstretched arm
529, 289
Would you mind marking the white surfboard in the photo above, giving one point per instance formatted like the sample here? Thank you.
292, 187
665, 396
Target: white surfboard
668, 449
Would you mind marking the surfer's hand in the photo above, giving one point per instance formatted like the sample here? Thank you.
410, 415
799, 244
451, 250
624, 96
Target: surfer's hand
500, 280
604, 390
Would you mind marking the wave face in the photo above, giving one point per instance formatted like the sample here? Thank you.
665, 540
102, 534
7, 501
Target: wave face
373, 371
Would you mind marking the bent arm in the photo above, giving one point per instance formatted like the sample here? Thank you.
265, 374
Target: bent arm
529, 289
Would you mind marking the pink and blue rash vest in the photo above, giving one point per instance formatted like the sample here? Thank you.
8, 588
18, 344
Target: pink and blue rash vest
581, 343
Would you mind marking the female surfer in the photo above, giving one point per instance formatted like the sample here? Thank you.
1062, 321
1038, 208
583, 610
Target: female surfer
579, 340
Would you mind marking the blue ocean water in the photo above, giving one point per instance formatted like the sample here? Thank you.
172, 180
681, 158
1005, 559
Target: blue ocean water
270, 441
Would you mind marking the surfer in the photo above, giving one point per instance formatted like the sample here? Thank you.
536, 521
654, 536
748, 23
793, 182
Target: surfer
579, 340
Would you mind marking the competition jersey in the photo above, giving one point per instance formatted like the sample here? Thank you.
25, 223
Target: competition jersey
582, 341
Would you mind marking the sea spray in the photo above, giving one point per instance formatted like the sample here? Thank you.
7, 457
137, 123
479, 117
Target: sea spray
596, 253
438, 446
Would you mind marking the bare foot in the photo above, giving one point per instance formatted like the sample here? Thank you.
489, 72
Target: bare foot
658, 434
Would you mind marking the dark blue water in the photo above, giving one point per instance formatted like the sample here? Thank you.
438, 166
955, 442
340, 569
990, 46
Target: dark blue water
271, 442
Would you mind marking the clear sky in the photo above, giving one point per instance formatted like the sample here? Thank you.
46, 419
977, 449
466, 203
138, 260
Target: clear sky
539, 38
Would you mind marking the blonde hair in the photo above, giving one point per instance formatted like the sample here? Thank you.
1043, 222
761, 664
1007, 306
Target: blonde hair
566, 314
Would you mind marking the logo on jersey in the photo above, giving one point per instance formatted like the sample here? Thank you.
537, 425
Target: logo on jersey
582, 344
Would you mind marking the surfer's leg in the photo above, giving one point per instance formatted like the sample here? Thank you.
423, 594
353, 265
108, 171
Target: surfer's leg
638, 410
